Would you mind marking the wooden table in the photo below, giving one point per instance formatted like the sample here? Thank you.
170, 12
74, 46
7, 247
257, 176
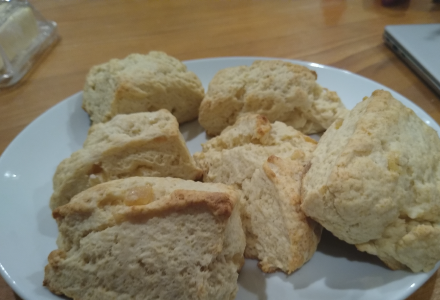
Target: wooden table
343, 34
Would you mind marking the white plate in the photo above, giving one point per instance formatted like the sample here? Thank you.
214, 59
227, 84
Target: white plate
28, 232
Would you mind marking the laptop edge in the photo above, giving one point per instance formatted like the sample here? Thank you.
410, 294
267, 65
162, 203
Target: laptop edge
401, 52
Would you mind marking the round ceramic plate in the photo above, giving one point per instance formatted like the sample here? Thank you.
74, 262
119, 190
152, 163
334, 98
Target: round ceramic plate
28, 232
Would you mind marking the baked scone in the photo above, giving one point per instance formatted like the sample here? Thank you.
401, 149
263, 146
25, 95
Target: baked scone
374, 181
140, 144
142, 83
277, 89
148, 238
278, 234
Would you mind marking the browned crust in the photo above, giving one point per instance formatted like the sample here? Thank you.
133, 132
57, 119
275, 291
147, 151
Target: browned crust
54, 259
70, 208
307, 245
220, 204
261, 267
268, 269
294, 67
199, 175
263, 125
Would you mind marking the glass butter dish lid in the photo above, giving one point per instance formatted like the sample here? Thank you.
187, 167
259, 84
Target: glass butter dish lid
24, 35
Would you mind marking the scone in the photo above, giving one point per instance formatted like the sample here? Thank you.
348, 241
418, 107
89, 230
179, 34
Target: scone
148, 238
140, 144
277, 89
278, 233
266, 161
374, 181
142, 83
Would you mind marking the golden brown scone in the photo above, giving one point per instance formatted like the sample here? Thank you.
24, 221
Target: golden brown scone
142, 83
374, 181
277, 89
140, 144
278, 234
148, 238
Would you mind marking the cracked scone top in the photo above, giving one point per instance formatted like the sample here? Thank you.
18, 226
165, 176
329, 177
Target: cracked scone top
374, 181
140, 83
266, 161
277, 89
148, 238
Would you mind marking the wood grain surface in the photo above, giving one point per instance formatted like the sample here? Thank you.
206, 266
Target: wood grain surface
344, 34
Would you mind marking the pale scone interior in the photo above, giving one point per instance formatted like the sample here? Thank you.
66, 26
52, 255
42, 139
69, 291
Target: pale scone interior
148, 238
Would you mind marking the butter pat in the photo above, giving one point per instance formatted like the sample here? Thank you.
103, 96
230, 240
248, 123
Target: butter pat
17, 30
24, 35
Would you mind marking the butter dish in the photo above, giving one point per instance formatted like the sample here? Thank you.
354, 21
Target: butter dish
24, 35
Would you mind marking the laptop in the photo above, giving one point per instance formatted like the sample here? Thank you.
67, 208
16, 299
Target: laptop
419, 46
